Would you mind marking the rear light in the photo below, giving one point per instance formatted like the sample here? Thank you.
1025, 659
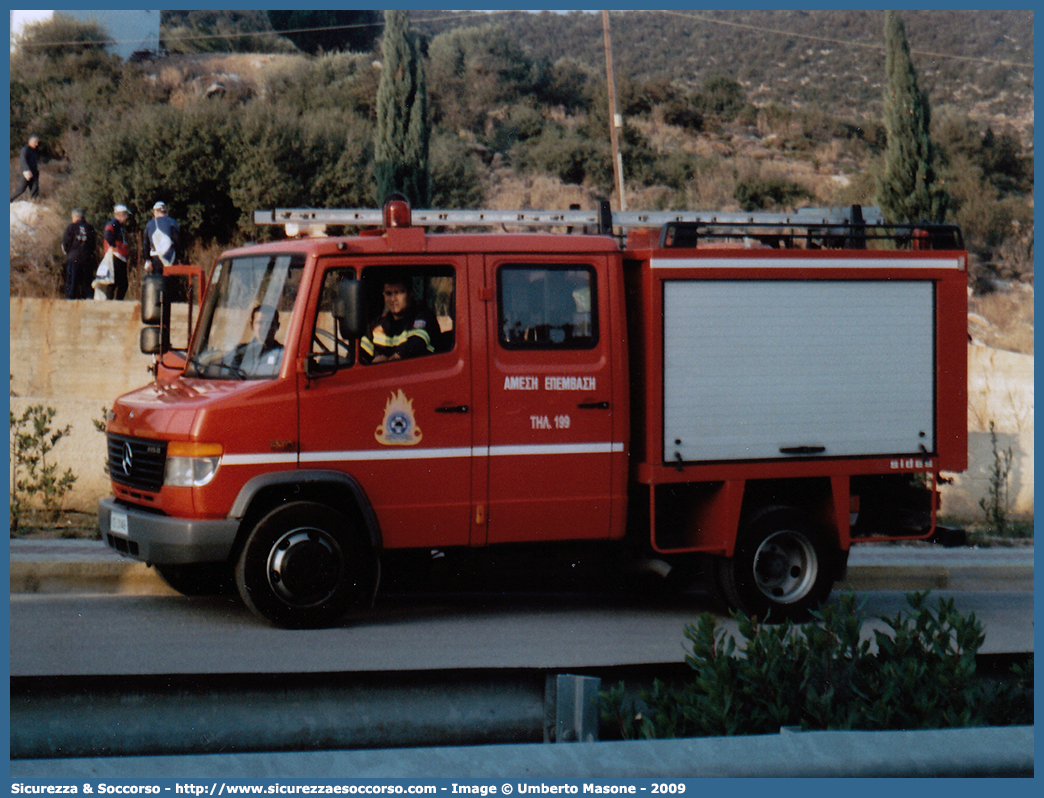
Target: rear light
191, 465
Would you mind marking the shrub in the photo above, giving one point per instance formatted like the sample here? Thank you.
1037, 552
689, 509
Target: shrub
566, 83
61, 35
721, 97
457, 176
318, 159
568, 155
473, 70
995, 505
62, 79
918, 673
214, 168
681, 111
513, 124
37, 487
769, 193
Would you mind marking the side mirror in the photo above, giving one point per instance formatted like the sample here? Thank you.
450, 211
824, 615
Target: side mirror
152, 340
155, 312
152, 294
350, 309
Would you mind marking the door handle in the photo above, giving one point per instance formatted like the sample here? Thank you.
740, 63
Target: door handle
452, 409
802, 449
593, 405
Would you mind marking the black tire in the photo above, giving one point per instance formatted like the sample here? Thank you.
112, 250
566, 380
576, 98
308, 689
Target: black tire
783, 567
199, 579
304, 566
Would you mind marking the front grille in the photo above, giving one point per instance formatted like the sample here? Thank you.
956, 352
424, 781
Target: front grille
137, 462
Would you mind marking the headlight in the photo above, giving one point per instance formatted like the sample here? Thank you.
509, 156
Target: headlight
190, 465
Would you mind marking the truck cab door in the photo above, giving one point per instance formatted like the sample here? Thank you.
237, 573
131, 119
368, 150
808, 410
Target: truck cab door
552, 448
402, 429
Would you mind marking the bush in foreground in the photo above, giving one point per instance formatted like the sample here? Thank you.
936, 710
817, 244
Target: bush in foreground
919, 672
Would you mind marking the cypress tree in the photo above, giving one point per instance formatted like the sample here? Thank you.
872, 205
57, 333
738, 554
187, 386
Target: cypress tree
907, 192
402, 132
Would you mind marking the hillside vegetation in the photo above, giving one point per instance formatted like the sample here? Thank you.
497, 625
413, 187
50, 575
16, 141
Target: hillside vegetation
979, 61
722, 110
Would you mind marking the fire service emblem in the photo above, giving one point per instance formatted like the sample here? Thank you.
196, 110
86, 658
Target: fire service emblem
399, 427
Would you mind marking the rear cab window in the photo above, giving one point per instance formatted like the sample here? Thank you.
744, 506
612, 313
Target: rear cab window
547, 307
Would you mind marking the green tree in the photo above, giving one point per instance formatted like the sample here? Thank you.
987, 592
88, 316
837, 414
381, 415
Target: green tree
403, 129
457, 176
62, 78
61, 35
282, 159
475, 71
908, 190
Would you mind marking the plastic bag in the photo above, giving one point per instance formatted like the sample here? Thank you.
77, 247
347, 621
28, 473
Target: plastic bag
103, 277
104, 274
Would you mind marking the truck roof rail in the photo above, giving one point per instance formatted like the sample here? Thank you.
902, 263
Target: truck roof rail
827, 226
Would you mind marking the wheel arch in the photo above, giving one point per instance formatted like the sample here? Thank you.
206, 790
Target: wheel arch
263, 493
820, 498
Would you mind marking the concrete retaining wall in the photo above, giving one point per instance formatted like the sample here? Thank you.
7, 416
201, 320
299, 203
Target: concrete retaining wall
78, 356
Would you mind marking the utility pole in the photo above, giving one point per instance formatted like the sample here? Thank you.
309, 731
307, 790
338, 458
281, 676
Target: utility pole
615, 120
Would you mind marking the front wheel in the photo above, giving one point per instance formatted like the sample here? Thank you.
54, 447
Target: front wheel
199, 579
782, 568
304, 566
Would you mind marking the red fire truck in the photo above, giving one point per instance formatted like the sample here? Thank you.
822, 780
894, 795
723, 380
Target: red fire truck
742, 396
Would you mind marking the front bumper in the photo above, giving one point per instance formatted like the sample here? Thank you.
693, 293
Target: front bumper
162, 540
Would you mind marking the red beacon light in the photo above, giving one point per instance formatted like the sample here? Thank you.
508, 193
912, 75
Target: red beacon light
397, 212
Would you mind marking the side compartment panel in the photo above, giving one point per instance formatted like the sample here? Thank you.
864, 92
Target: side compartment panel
774, 369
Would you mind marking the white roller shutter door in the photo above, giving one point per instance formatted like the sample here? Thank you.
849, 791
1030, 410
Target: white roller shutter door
771, 369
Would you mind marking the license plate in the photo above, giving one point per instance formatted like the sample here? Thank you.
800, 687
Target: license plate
118, 524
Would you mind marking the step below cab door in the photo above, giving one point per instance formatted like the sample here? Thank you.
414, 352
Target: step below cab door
552, 449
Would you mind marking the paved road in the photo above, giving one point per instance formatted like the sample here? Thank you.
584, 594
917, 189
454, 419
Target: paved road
111, 617
84, 635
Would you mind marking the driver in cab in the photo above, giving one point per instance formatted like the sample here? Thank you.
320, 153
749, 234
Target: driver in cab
261, 356
406, 329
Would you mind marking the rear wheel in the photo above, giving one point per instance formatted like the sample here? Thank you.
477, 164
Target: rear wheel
304, 565
782, 568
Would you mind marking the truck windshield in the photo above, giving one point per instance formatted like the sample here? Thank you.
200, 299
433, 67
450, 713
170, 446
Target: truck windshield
240, 332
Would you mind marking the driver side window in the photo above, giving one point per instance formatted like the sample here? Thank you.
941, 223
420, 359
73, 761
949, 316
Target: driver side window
411, 312
328, 347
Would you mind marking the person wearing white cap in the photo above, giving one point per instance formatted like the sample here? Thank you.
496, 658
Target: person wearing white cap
160, 240
115, 239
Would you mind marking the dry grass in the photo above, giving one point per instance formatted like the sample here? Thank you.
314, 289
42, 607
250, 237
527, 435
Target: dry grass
513, 192
72, 525
36, 270
1003, 319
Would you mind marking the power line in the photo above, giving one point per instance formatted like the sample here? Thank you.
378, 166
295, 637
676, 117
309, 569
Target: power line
245, 34
466, 15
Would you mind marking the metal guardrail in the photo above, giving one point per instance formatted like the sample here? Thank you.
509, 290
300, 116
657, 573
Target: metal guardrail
431, 724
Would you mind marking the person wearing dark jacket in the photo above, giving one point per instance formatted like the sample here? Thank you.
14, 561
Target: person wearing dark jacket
78, 243
29, 170
406, 329
116, 239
